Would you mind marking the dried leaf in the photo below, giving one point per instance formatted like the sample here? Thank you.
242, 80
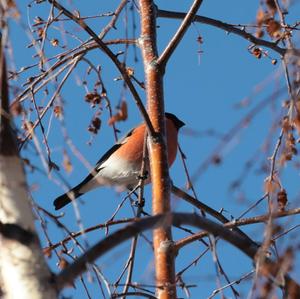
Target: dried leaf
16, 108
266, 289
271, 7
93, 98
57, 111
286, 125
103, 92
284, 157
13, 7
274, 61
257, 53
27, 163
63, 263
282, 200
287, 260
290, 140
200, 39
67, 165
259, 33
47, 252
95, 125
11, 4
271, 185
273, 28
54, 42
260, 17
40, 32
286, 104
130, 71
27, 126
121, 115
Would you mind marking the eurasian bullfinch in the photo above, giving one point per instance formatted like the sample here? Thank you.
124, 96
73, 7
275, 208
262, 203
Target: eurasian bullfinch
121, 164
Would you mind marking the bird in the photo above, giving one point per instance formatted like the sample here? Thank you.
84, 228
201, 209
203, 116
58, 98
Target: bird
121, 164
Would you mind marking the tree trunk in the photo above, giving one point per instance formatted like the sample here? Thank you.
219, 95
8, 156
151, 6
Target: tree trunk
23, 271
162, 237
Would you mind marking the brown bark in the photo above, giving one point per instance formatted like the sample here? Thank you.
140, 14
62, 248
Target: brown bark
272, 269
163, 243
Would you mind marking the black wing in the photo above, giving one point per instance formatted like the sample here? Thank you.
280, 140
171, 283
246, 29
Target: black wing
67, 197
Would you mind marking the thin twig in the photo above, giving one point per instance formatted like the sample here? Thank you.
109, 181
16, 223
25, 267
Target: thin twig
237, 281
253, 206
114, 59
233, 132
285, 232
140, 205
198, 204
42, 130
96, 271
50, 103
87, 230
194, 262
224, 26
283, 23
177, 219
187, 20
113, 20
65, 57
240, 222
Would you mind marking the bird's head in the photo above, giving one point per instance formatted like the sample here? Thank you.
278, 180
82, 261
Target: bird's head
177, 122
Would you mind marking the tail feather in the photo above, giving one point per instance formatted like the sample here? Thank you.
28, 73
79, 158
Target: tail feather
72, 194
65, 199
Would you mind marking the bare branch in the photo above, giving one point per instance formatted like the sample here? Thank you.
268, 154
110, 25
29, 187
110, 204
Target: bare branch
177, 219
187, 20
227, 27
162, 237
114, 59
240, 222
63, 58
203, 207
87, 230
114, 19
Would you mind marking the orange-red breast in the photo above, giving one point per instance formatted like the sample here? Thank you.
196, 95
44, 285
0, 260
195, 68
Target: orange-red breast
121, 164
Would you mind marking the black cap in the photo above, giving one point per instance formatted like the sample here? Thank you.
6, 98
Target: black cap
177, 122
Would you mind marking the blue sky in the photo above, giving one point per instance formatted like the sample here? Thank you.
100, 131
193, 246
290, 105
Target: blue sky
203, 89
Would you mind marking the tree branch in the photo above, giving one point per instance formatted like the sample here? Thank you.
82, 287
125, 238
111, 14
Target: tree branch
67, 276
62, 58
227, 27
112, 56
203, 207
87, 230
162, 237
240, 222
187, 20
